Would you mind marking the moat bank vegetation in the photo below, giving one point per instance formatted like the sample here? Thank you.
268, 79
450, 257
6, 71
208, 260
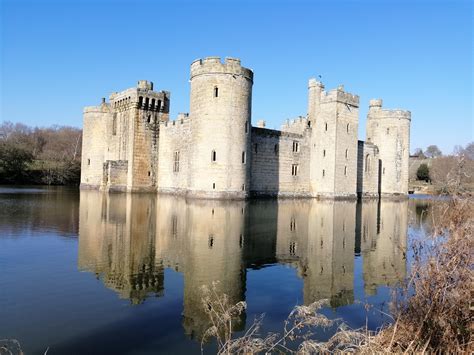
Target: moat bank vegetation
430, 309
438, 173
34, 155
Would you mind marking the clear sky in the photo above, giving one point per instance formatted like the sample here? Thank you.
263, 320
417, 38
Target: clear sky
58, 56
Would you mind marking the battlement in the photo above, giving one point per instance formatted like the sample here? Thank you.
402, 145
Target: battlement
315, 83
214, 65
376, 111
296, 125
339, 95
145, 84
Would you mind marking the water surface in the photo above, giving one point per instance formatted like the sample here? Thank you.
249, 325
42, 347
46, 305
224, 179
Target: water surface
121, 273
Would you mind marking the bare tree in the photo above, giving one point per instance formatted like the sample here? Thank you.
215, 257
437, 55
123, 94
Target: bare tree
433, 151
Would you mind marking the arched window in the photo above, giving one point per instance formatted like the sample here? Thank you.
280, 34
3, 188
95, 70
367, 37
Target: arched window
140, 101
147, 103
152, 104
213, 156
216, 91
158, 107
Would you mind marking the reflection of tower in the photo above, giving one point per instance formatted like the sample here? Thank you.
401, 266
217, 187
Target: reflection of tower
116, 240
319, 236
204, 240
383, 242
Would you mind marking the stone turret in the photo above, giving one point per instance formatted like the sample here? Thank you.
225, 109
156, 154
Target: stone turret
389, 130
220, 111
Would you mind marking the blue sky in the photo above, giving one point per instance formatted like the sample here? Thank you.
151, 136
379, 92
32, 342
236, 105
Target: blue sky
58, 56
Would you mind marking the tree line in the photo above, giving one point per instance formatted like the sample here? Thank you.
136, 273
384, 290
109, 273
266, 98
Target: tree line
38, 155
447, 172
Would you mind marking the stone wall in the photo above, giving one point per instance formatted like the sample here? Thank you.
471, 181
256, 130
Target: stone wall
389, 130
367, 170
280, 163
94, 145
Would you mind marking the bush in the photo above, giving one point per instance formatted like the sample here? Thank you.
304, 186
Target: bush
423, 172
13, 163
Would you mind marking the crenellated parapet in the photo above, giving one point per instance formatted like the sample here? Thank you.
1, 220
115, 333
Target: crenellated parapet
339, 95
376, 111
214, 65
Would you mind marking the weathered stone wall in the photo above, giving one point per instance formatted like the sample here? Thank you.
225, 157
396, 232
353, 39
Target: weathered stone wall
116, 173
334, 143
367, 170
174, 155
220, 111
280, 163
389, 130
94, 145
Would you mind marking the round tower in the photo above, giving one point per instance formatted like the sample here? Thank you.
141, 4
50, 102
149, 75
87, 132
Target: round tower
389, 130
220, 111
315, 88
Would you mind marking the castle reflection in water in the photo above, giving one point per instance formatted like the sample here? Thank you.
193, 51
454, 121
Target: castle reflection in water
129, 239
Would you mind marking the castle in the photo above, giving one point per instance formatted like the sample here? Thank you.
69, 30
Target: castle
130, 144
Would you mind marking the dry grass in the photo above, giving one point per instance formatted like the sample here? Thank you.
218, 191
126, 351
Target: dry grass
431, 310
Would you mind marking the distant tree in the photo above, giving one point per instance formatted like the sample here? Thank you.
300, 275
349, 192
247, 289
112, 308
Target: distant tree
469, 151
423, 173
433, 151
14, 162
419, 153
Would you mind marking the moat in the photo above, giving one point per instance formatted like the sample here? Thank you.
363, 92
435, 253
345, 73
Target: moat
87, 272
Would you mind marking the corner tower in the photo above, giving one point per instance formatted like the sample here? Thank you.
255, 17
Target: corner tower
390, 131
220, 111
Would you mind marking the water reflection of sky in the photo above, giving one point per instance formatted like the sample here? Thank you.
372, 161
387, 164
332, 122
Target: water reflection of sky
130, 282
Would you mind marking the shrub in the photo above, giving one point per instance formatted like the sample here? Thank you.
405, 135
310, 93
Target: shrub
423, 172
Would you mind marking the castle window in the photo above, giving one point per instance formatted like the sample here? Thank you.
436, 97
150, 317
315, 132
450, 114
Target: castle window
347, 128
294, 170
275, 149
88, 162
114, 126
213, 185
295, 146
367, 163
241, 241
347, 151
324, 172
148, 119
326, 126
345, 170
243, 157
246, 126
292, 224
388, 130
324, 153
147, 103
140, 101
243, 187
158, 106
149, 173
176, 162
309, 123
216, 91
213, 156
293, 245
152, 104
383, 171
256, 148
210, 241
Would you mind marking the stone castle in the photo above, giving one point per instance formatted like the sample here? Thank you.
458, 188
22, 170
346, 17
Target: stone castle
130, 144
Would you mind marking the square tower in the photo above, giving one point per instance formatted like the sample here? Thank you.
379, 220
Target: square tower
334, 144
